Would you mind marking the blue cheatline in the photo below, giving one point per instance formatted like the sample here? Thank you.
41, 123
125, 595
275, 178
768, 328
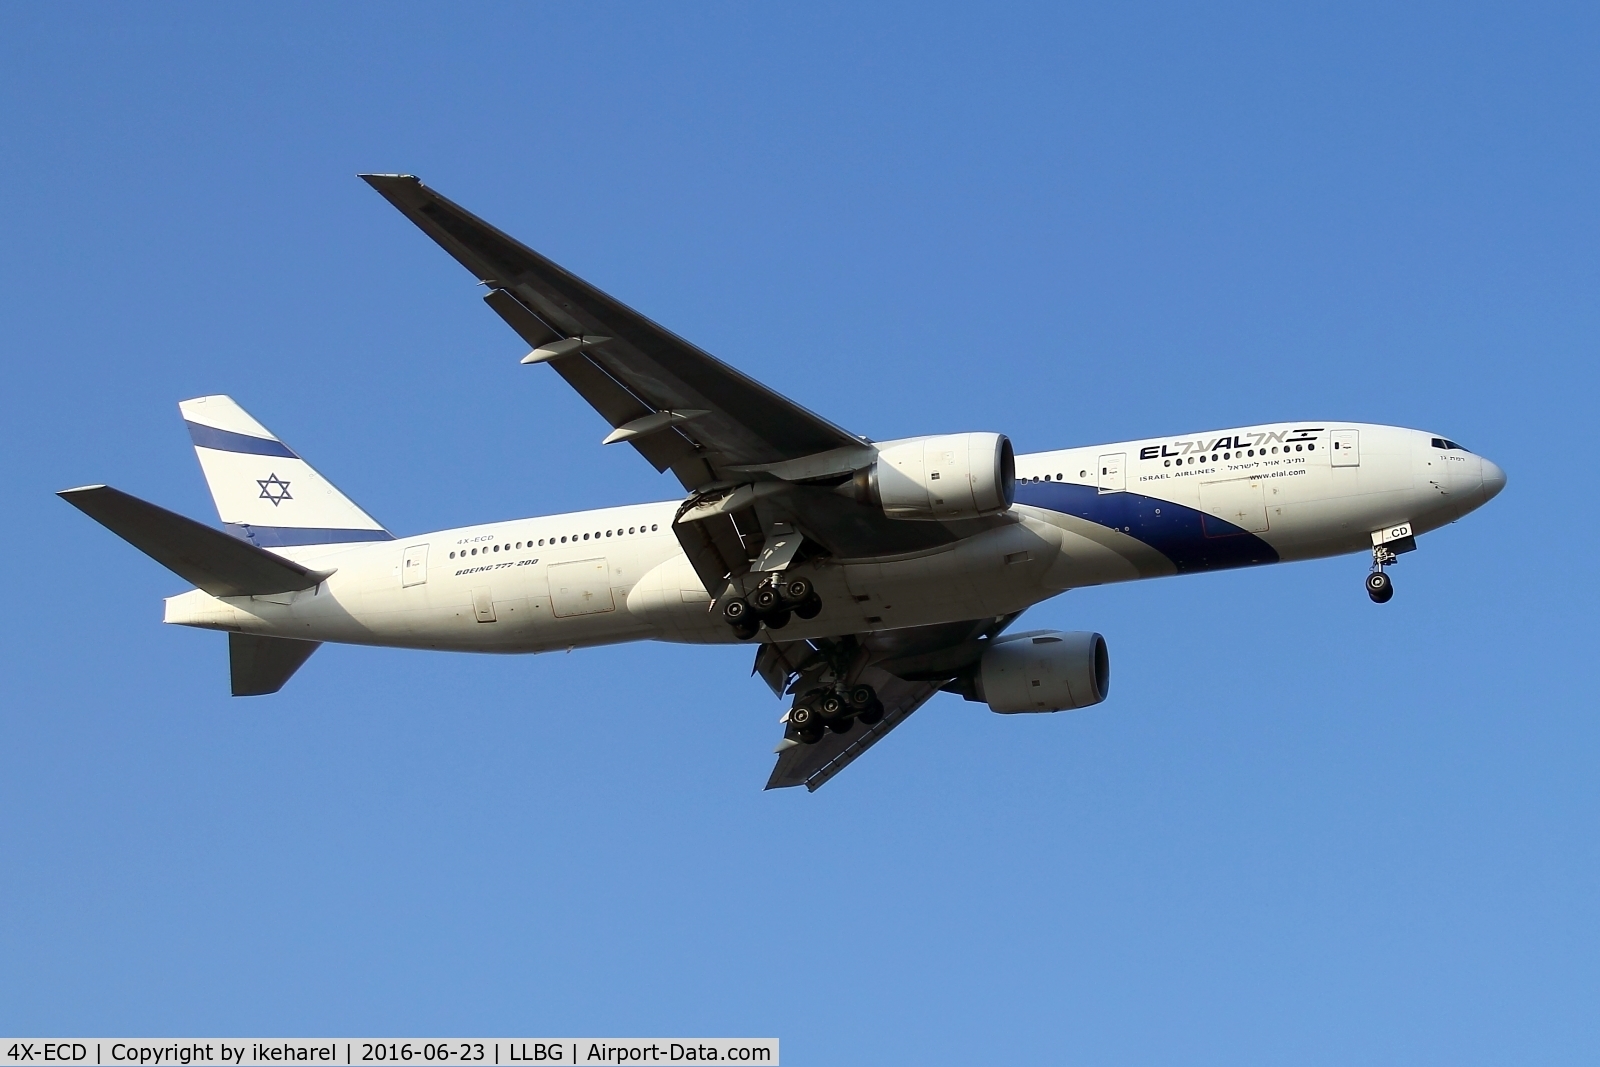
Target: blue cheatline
1191, 539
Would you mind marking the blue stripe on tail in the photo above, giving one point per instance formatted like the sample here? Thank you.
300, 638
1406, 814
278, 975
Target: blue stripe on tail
228, 441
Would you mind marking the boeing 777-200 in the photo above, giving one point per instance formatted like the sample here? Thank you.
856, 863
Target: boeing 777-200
869, 575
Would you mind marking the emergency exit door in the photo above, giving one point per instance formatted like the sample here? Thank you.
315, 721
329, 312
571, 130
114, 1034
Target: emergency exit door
414, 566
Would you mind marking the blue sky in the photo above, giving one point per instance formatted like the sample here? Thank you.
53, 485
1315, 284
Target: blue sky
1303, 829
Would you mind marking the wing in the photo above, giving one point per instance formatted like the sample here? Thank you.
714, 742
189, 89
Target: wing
812, 765
758, 466
679, 406
906, 667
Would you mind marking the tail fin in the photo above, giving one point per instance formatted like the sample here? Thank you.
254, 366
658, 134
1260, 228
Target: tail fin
265, 494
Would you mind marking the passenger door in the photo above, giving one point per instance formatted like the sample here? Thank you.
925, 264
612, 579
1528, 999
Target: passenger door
1113, 478
1347, 448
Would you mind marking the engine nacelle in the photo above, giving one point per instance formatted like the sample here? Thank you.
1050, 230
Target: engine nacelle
1043, 671
950, 476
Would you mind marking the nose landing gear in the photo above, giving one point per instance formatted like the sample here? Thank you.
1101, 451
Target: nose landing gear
1380, 587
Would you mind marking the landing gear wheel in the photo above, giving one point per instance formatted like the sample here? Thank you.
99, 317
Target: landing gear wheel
841, 726
803, 717
832, 709
1379, 587
736, 611
797, 590
765, 600
861, 697
777, 620
745, 629
873, 715
810, 608
811, 734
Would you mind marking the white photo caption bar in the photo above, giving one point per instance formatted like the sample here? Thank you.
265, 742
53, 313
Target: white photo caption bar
387, 1051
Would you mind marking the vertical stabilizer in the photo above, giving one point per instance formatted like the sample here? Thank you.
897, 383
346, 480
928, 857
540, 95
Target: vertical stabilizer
265, 494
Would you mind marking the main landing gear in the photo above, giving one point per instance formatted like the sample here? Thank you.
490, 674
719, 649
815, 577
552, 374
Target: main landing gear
772, 603
836, 710
1380, 587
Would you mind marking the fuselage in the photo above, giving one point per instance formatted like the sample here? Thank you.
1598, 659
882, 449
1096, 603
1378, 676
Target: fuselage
1084, 516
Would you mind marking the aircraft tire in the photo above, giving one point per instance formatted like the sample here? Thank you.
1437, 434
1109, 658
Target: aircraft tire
765, 600
798, 590
874, 713
777, 620
803, 716
841, 726
1380, 587
832, 709
736, 610
811, 608
745, 630
861, 697
811, 734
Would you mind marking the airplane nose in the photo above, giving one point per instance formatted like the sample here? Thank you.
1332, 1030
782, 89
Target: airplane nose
1494, 480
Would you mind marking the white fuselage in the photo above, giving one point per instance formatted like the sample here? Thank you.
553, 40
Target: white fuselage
1085, 516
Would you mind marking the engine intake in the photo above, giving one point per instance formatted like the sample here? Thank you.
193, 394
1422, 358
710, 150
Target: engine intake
949, 476
1043, 671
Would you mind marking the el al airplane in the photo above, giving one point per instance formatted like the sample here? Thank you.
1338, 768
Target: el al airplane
869, 575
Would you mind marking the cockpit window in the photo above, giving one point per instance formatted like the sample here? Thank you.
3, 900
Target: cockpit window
1440, 442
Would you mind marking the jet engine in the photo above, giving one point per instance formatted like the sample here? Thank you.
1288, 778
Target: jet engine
1042, 671
950, 476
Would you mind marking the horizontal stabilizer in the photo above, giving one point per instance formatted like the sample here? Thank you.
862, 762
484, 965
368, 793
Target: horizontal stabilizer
260, 665
199, 554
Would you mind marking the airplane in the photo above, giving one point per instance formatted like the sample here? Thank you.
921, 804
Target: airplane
868, 575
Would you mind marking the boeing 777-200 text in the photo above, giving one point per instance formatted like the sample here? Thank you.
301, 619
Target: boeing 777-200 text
869, 575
